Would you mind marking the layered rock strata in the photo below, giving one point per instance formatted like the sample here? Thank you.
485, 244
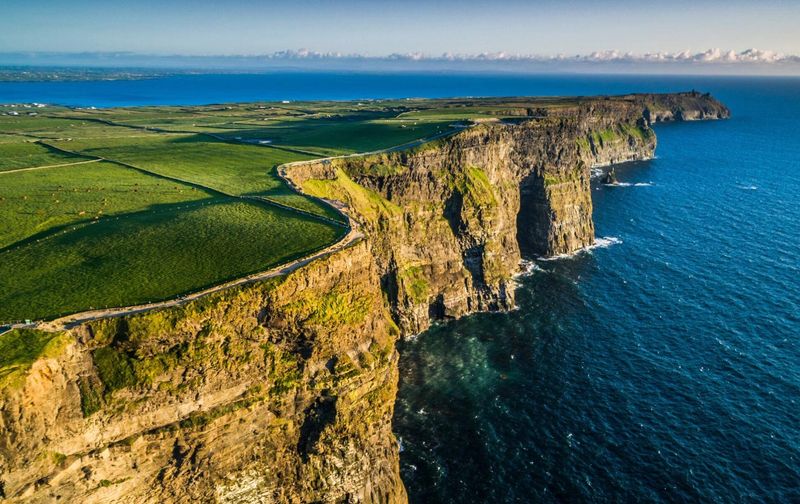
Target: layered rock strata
449, 221
283, 391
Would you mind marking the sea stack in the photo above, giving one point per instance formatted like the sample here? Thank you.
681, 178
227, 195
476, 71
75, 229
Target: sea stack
610, 178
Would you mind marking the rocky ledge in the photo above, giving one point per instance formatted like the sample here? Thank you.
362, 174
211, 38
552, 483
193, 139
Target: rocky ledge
283, 391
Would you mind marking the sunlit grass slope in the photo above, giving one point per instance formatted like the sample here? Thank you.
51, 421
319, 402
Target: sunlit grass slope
40, 201
152, 255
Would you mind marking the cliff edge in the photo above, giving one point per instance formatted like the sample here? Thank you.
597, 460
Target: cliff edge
283, 390
449, 221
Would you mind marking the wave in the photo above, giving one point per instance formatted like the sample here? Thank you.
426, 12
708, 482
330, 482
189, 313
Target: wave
747, 187
629, 184
602, 242
528, 268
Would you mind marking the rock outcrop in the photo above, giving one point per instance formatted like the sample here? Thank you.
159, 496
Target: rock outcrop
609, 177
283, 391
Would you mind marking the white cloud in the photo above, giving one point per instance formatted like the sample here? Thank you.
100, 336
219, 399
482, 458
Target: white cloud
709, 56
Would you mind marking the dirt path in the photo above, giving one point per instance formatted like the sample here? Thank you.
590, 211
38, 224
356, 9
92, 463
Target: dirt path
48, 166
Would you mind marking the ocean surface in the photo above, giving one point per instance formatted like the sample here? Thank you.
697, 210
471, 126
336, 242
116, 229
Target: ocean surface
663, 366
660, 366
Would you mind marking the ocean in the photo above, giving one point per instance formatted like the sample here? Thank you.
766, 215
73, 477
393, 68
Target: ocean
660, 366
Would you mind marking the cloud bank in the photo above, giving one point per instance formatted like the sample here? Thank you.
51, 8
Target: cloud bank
711, 61
708, 56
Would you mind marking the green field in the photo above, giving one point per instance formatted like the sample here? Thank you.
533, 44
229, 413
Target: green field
229, 168
15, 155
331, 137
43, 201
233, 169
114, 207
160, 215
152, 255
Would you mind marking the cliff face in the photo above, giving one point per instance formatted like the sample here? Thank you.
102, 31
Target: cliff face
283, 391
449, 221
277, 392
691, 106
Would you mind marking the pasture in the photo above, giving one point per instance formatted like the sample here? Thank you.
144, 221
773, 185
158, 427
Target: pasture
152, 255
40, 202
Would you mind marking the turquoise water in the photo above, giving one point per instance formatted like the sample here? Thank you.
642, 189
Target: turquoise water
663, 367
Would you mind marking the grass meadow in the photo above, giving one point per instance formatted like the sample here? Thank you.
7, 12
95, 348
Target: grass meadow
234, 169
152, 255
18, 155
35, 203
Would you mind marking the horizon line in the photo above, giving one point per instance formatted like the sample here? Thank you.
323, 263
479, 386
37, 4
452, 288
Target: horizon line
709, 62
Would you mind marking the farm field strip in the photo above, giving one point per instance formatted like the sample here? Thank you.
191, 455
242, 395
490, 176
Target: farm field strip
67, 321
29, 153
175, 252
36, 203
194, 159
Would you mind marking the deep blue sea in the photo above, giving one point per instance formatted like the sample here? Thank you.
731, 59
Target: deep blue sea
663, 367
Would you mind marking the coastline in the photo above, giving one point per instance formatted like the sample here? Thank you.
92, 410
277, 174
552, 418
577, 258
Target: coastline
308, 359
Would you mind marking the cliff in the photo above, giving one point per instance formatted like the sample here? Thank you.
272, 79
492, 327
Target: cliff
450, 220
283, 391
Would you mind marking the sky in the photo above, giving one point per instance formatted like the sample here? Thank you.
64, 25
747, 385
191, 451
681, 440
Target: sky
380, 28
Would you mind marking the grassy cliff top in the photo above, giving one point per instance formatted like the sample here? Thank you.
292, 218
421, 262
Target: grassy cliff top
113, 207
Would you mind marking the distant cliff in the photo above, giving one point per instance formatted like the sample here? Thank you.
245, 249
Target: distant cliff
283, 391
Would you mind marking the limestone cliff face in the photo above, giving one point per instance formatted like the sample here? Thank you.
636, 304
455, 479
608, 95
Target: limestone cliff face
277, 392
449, 221
283, 391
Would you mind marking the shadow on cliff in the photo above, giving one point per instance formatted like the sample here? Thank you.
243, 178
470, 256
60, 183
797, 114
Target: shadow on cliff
317, 416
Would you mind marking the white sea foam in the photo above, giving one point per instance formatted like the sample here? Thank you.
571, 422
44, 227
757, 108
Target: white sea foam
747, 187
602, 242
528, 268
629, 184
605, 242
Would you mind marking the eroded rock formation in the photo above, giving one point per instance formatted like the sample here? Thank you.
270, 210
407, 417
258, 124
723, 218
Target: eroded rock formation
449, 221
283, 391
